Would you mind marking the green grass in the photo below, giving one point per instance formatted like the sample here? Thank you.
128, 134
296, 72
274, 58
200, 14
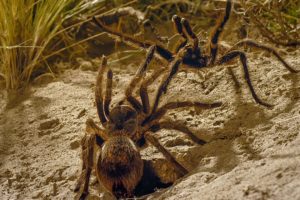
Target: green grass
31, 30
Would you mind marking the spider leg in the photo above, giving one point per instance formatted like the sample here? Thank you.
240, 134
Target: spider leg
266, 48
213, 43
88, 149
155, 117
152, 140
92, 128
108, 92
178, 27
82, 175
137, 78
188, 29
163, 52
87, 145
179, 127
174, 66
182, 104
98, 91
233, 54
144, 89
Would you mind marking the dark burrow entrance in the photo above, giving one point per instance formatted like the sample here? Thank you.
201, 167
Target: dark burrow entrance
150, 182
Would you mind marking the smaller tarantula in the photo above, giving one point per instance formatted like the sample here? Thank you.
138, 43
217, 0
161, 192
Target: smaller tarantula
126, 128
194, 56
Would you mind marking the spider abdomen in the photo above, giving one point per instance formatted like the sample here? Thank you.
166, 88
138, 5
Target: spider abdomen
120, 166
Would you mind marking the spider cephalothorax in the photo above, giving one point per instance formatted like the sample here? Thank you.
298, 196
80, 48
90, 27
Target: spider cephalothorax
126, 127
194, 57
123, 120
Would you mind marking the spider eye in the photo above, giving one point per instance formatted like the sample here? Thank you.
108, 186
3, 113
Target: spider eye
130, 114
130, 126
119, 126
130, 121
123, 118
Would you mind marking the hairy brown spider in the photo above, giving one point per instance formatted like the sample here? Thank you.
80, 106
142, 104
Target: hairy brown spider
126, 127
194, 57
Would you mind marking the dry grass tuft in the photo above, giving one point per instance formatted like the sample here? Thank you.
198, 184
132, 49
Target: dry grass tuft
31, 30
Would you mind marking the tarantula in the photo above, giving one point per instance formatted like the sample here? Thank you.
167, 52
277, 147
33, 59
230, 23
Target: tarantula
126, 128
194, 56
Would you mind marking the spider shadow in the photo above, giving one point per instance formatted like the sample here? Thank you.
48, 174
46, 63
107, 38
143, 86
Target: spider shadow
7, 136
247, 116
16, 118
295, 96
230, 135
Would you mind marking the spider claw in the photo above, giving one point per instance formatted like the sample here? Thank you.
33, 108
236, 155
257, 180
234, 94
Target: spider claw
164, 90
184, 21
217, 104
175, 17
263, 103
201, 142
83, 195
77, 187
270, 106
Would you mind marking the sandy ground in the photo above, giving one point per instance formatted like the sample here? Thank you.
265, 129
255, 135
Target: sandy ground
252, 152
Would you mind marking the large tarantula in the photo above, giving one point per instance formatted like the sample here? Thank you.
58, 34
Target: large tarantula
194, 57
126, 127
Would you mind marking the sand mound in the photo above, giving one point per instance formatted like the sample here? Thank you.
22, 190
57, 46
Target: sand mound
252, 152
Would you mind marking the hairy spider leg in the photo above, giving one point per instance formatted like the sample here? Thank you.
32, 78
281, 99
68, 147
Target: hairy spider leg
160, 50
193, 56
230, 56
188, 29
213, 42
137, 78
163, 52
154, 122
98, 91
174, 125
108, 92
92, 134
144, 89
182, 104
178, 27
252, 43
154, 126
87, 144
174, 66
152, 140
